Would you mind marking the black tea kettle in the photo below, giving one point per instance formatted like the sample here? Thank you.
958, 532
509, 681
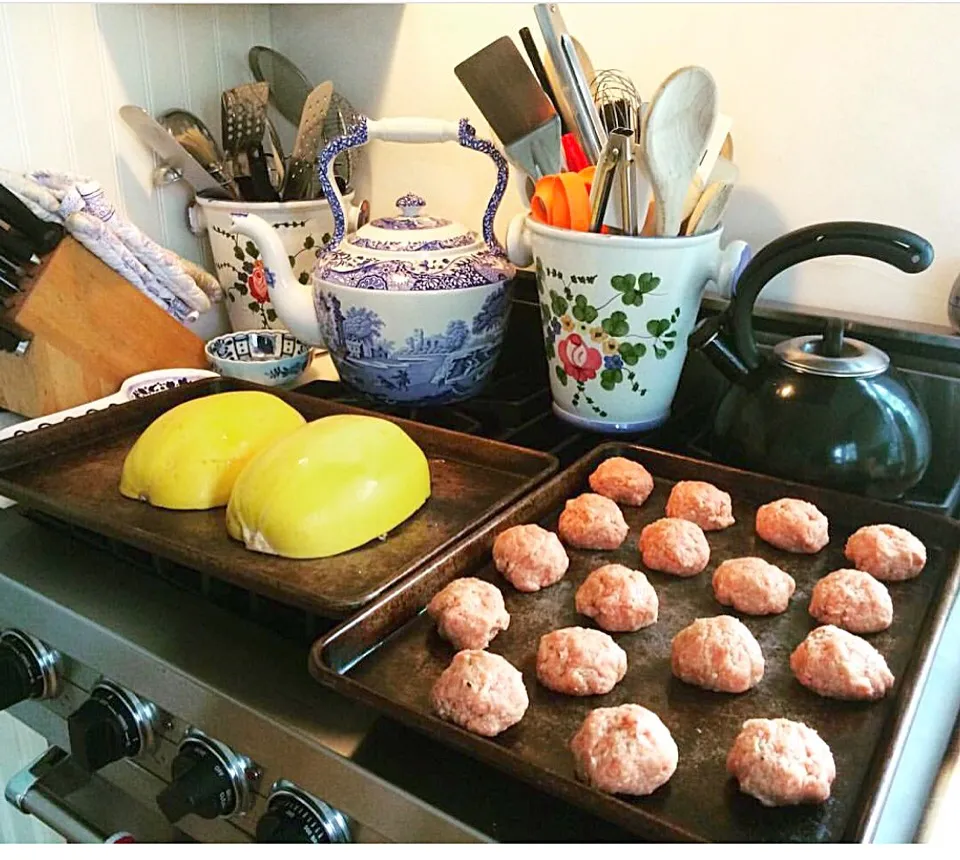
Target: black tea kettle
825, 409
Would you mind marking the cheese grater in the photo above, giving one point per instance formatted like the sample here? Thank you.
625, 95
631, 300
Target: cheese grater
244, 121
300, 181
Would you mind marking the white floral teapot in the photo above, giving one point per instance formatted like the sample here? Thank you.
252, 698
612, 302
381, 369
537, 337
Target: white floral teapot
411, 307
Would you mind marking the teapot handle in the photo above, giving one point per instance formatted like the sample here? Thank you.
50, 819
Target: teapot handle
907, 251
409, 130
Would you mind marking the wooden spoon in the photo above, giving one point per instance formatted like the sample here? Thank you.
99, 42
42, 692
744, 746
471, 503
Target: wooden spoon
726, 151
676, 130
709, 210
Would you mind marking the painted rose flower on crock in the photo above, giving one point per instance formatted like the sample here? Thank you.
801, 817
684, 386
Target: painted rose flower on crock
581, 362
257, 283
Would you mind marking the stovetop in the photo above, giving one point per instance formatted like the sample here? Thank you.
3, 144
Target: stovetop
516, 408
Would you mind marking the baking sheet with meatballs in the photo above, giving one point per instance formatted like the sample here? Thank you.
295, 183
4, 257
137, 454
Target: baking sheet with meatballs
746, 726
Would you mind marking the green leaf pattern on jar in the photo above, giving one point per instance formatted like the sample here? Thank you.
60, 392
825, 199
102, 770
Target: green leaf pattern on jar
578, 335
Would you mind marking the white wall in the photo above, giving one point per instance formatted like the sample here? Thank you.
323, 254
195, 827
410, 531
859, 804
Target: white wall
66, 69
841, 112
19, 746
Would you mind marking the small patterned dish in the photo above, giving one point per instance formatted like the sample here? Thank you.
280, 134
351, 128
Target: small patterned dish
271, 357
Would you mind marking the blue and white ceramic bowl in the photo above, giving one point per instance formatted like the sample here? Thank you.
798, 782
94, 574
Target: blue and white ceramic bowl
267, 357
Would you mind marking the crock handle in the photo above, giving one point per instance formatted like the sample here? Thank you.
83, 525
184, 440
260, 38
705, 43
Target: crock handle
409, 130
893, 245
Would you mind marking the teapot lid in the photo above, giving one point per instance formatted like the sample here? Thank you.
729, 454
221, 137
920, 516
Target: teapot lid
413, 251
812, 354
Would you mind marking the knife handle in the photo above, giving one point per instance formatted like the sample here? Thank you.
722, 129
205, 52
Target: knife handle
263, 189
44, 234
16, 248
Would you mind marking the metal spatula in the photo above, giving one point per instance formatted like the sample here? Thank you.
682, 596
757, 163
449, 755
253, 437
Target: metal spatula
519, 112
244, 119
301, 171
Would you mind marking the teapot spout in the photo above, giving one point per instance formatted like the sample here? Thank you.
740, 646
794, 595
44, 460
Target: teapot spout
292, 300
708, 338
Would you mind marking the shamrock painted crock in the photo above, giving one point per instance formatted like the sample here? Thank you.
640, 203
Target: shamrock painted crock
616, 313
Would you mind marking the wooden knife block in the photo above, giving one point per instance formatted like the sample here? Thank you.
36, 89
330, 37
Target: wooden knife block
91, 329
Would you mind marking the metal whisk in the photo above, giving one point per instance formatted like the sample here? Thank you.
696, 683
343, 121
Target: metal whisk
617, 100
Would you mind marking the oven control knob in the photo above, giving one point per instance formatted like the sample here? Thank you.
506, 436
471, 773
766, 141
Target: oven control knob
28, 669
208, 779
112, 724
294, 816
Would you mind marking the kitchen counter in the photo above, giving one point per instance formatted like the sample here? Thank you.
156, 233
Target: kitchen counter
424, 786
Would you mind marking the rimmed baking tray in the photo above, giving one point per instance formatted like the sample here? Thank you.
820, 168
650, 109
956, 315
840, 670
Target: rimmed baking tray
389, 656
71, 471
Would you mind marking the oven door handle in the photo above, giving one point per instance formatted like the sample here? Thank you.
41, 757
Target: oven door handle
26, 792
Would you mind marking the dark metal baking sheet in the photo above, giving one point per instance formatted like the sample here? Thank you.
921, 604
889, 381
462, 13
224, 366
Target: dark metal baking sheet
72, 471
389, 656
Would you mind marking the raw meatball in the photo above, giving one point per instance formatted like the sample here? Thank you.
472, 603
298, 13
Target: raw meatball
529, 557
580, 662
753, 586
782, 763
853, 600
618, 599
624, 750
481, 692
469, 613
674, 546
717, 654
592, 522
839, 665
622, 480
701, 503
888, 552
793, 525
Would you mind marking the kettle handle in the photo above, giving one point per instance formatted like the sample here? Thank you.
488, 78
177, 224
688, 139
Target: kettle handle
409, 130
907, 251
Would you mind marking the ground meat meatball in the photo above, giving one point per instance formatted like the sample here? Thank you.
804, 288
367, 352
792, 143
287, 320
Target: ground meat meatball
674, 546
622, 480
624, 750
592, 522
782, 763
853, 600
619, 599
717, 654
701, 503
580, 662
469, 613
481, 692
888, 552
529, 557
793, 525
753, 586
839, 665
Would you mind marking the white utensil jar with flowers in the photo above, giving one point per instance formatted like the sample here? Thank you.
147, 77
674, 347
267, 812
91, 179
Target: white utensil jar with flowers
304, 227
616, 314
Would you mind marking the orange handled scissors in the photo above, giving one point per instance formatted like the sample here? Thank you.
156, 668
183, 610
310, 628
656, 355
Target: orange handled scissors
563, 200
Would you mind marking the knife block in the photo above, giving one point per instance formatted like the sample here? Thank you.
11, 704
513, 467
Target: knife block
91, 329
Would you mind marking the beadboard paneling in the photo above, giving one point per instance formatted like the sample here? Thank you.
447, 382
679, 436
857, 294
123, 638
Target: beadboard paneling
66, 69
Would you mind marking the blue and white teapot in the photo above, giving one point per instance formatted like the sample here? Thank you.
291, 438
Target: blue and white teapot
412, 307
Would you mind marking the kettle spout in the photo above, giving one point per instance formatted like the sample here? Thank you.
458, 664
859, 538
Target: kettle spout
708, 338
292, 300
